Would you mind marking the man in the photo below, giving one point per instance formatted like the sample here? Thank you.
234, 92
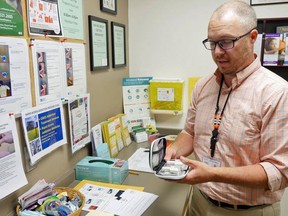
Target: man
236, 125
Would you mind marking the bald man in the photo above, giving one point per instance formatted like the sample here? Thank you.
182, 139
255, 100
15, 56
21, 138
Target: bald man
236, 125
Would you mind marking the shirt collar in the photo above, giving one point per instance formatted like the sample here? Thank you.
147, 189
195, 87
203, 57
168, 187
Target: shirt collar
241, 75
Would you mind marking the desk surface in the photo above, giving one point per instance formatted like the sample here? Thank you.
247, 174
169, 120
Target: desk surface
171, 195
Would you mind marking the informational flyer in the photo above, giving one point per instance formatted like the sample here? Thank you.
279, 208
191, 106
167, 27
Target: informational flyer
71, 14
136, 98
11, 18
75, 70
44, 129
15, 89
44, 18
79, 118
12, 176
128, 202
48, 64
271, 49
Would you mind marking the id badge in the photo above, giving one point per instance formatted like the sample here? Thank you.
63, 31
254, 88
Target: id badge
211, 161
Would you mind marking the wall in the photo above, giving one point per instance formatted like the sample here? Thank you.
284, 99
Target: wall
105, 88
166, 41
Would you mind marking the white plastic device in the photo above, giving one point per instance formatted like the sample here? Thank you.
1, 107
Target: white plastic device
173, 169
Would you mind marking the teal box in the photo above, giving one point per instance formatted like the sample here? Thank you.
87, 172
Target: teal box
110, 170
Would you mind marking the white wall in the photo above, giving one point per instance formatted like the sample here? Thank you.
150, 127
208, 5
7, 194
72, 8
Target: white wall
165, 41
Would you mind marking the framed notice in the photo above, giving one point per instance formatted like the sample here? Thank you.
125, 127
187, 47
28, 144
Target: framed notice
118, 45
98, 40
109, 6
266, 2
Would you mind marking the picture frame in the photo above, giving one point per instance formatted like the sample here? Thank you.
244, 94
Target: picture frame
109, 6
98, 43
267, 2
118, 32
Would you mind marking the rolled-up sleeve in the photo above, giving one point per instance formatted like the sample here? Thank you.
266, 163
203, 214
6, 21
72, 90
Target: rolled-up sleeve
274, 145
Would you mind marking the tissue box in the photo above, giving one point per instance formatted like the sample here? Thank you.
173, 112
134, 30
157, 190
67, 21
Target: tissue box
110, 170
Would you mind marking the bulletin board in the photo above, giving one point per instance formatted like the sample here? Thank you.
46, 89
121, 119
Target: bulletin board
166, 96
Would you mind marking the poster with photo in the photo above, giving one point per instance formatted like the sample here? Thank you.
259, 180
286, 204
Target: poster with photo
75, 70
79, 118
271, 49
12, 176
44, 129
49, 75
15, 89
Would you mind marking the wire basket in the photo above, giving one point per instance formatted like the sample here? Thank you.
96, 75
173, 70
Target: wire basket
71, 193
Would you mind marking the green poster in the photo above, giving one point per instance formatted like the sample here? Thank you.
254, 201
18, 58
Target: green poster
11, 19
71, 13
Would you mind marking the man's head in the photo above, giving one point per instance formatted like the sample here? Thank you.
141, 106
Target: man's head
232, 20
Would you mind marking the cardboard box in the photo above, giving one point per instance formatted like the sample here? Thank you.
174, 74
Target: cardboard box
110, 170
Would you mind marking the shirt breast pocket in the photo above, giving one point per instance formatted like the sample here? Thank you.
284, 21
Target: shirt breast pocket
243, 128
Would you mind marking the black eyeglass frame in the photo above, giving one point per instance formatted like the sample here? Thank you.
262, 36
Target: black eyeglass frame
220, 42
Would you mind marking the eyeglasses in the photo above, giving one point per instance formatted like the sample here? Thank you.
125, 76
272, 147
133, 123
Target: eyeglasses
223, 44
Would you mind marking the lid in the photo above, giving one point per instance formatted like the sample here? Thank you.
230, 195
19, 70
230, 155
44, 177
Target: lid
157, 153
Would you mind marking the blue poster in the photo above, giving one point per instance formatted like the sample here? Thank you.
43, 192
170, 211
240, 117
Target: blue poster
50, 127
44, 129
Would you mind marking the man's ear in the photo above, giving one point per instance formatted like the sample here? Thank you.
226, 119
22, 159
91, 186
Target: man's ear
253, 35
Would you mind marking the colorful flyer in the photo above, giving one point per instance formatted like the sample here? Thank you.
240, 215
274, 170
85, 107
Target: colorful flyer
79, 118
44, 129
11, 18
43, 17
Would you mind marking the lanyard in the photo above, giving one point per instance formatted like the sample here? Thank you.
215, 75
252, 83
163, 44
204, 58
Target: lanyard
217, 119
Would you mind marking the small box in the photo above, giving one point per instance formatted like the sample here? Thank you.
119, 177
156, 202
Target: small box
141, 137
173, 169
110, 170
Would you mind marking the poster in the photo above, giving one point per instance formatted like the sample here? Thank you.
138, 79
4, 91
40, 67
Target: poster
12, 176
15, 89
79, 118
71, 14
43, 17
75, 70
11, 18
44, 129
48, 64
136, 98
